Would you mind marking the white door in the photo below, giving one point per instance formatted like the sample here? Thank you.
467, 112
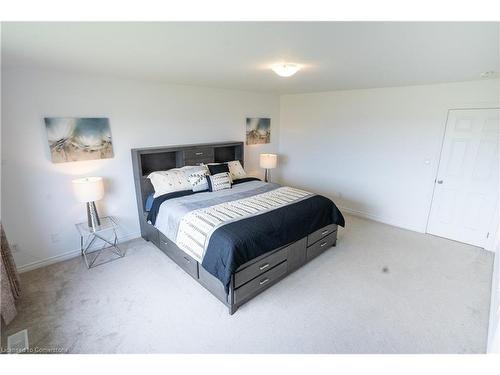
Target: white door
467, 188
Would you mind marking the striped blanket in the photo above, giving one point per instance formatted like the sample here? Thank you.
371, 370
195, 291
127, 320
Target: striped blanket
197, 226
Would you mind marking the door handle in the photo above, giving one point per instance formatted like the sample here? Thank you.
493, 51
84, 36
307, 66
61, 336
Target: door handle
439, 182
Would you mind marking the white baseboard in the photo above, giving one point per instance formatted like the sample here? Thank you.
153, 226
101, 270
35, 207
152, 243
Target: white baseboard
67, 255
366, 215
380, 219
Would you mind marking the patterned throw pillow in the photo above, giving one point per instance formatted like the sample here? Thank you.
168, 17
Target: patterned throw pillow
236, 170
214, 168
196, 177
217, 168
219, 181
169, 181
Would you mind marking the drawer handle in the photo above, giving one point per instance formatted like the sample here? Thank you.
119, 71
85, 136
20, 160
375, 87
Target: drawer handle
199, 153
323, 244
264, 266
187, 259
262, 282
324, 232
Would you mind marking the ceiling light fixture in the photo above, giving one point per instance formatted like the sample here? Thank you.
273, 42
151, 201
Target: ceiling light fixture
285, 69
488, 74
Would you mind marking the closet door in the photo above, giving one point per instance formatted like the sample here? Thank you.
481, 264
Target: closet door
466, 189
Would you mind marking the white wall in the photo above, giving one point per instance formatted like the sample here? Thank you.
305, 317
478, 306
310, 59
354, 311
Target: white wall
367, 149
38, 208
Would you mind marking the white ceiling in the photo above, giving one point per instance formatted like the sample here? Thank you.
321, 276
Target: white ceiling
237, 55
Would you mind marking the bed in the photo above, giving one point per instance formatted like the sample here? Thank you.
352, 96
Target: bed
235, 242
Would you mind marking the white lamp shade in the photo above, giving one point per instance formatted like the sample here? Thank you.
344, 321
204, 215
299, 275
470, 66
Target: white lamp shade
268, 161
88, 189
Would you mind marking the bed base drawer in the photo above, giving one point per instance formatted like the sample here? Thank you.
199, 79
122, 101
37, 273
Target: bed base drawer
258, 268
184, 261
321, 233
320, 246
258, 284
257, 275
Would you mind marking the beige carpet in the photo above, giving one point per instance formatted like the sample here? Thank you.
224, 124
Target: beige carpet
381, 290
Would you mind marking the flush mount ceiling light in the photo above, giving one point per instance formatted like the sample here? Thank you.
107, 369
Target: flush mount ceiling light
285, 69
488, 74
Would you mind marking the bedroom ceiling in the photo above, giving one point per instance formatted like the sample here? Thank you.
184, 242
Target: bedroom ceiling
334, 55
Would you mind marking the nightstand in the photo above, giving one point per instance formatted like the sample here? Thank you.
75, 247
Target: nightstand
88, 237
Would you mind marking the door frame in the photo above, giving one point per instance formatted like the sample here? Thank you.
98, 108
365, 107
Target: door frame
495, 231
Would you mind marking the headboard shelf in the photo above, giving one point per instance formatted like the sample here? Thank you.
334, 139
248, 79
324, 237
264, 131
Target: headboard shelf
160, 161
227, 153
152, 159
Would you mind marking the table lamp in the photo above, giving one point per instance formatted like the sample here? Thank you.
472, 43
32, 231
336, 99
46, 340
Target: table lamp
268, 161
88, 190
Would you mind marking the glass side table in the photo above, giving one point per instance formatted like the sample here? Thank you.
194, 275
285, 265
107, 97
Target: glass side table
89, 235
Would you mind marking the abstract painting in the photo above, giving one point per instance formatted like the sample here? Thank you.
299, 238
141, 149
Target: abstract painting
76, 139
258, 131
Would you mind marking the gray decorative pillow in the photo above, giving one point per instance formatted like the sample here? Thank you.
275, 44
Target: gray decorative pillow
219, 181
196, 177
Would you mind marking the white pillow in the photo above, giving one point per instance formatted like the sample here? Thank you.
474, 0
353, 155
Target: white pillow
169, 181
196, 177
236, 170
219, 181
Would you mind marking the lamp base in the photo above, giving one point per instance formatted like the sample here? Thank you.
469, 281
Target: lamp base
92, 216
267, 176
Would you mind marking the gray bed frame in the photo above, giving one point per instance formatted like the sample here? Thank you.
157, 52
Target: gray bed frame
251, 278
